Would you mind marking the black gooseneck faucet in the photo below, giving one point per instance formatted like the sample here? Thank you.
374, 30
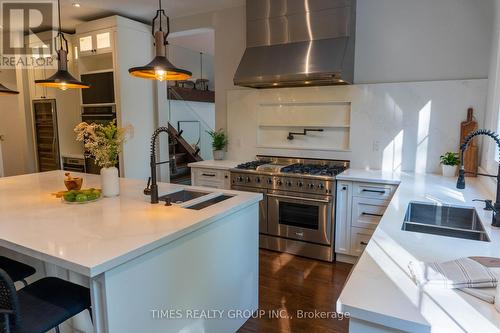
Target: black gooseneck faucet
461, 176
152, 188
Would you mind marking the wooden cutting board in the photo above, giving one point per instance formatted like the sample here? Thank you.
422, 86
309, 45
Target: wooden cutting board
471, 156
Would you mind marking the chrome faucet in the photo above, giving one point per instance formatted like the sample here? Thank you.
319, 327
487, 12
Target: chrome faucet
461, 176
152, 187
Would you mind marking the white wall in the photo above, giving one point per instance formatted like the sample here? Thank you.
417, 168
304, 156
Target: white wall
408, 40
13, 127
490, 151
137, 97
394, 126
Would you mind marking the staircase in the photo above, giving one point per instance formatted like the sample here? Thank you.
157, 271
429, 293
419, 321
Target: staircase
181, 154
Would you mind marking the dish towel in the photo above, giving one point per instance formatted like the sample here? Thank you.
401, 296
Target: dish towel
459, 273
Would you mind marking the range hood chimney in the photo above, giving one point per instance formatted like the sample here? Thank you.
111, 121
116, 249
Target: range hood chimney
292, 43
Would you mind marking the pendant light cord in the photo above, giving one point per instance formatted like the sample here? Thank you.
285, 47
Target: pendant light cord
60, 25
160, 10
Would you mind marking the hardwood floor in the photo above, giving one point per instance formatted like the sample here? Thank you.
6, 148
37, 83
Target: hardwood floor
289, 285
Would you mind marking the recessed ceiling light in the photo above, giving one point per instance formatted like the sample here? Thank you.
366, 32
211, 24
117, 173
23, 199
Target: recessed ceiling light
76, 4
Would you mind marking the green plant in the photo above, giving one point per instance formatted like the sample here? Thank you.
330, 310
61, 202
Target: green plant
219, 139
450, 158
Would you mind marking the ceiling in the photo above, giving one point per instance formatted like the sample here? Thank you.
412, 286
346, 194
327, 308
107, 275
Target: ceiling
141, 10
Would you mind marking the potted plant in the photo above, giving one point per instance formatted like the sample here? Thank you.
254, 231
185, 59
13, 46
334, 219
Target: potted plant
449, 162
219, 142
104, 144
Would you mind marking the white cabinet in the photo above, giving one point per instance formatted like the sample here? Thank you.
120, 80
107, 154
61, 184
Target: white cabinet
359, 208
367, 213
97, 42
359, 240
343, 215
208, 177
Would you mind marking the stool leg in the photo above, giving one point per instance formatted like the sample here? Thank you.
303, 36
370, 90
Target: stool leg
57, 329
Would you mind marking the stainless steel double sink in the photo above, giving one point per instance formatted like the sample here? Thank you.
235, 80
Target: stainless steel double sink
199, 199
444, 220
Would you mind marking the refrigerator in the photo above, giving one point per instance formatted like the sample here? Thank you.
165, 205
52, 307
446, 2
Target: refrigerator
46, 135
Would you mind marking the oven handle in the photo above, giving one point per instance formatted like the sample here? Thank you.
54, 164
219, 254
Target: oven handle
298, 198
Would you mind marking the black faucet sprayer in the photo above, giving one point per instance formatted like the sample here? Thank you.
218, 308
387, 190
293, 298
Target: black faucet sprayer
152, 188
461, 176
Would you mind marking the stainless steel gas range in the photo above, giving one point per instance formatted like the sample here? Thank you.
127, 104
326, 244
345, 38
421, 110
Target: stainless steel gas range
298, 211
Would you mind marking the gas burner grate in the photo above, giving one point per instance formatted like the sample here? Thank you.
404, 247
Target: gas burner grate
253, 165
313, 169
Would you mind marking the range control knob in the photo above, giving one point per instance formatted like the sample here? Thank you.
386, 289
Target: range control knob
247, 180
269, 181
300, 184
311, 186
279, 182
321, 186
288, 183
240, 179
257, 179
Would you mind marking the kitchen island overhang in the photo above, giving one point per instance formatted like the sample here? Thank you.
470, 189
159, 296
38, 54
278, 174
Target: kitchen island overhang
140, 258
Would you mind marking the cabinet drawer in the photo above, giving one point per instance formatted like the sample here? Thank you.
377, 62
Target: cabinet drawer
210, 174
212, 184
359, 239
367, 190
367, 213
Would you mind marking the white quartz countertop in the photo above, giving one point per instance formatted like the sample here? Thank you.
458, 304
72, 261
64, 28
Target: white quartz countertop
370, 176
213, 164
379, 288
93, 238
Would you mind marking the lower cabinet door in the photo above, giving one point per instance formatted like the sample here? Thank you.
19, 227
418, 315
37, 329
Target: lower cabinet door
359, 239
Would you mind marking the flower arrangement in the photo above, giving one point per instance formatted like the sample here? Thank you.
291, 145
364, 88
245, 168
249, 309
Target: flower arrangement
102, 142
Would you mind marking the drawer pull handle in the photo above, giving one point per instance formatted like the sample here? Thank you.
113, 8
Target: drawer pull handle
363, 243
374, 191
344, 188
300, 234
372, 214
208, 174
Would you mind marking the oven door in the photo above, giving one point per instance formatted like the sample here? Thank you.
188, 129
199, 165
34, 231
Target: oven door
307, 218
262, 206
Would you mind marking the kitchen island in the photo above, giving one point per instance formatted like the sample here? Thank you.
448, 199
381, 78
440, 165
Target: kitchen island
150, 268
380, 295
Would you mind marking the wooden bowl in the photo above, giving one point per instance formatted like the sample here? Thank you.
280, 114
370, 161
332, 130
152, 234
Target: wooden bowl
73, 183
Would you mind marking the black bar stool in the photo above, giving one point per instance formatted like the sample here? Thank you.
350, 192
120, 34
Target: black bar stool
16, 270
40, 306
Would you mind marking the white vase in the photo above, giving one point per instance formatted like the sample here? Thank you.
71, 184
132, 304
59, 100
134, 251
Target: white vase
110, 182
218, 155
449, 170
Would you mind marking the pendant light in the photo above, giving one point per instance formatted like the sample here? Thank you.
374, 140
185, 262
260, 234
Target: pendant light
62, 79
160, 68
6, 91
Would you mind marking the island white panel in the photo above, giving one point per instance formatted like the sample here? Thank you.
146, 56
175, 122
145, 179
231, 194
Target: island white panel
169, 278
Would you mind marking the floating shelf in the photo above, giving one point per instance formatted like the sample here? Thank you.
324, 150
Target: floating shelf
291, 147
305, 126
192, 95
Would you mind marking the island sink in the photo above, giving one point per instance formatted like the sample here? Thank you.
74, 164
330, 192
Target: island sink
182, 196
444, 220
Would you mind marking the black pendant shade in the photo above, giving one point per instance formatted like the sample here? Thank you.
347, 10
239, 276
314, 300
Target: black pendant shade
160, 68
62, 79
6, 91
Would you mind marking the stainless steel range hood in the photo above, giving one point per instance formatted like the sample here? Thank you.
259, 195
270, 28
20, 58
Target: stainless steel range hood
294, 43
